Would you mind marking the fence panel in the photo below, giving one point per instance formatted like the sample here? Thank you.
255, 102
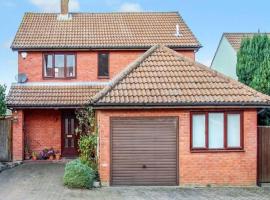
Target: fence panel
5, 139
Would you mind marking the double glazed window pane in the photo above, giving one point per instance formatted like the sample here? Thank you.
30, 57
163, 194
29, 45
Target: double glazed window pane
103, 65
233, 129
198, 128
48, 65
59, 66
70, 65
216, 130
214, 133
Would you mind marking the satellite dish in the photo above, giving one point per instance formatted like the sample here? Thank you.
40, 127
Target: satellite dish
21, 78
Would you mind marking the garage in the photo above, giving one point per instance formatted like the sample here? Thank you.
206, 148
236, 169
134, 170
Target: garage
144, 151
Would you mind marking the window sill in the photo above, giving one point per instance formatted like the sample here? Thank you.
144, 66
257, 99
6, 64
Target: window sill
216, 150
54, 78
103, 77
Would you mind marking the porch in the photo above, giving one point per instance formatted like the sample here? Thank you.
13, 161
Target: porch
35, 130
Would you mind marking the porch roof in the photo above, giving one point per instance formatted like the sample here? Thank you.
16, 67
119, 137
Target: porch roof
62, 95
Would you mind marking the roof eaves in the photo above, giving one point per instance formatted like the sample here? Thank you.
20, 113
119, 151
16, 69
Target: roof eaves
18, 48
191, 104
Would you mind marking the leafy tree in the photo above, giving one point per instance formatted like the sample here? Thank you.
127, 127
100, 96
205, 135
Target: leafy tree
253, 67
3, 107
252, 54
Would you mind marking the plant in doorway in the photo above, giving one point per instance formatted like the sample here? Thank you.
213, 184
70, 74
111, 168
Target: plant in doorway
87, 130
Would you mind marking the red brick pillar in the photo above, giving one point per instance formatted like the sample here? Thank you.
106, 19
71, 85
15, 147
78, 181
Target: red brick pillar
18, 136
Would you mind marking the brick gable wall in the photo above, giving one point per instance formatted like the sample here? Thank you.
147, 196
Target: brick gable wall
222, 168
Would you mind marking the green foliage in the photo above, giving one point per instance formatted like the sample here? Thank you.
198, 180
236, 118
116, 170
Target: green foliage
78, 175
3, 107
88, 137
253, 66
250, 56
87, 145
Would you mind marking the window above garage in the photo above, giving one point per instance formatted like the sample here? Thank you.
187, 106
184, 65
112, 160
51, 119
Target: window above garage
214, 131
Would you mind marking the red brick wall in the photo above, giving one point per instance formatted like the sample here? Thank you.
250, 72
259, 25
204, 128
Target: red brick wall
86, 64
228, 168
18, 135
43, 129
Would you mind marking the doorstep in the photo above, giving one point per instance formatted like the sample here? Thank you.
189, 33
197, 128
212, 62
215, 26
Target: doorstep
266, 185
63, 160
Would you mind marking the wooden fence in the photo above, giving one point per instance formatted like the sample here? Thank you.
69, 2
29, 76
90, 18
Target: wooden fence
264, 154
5, 139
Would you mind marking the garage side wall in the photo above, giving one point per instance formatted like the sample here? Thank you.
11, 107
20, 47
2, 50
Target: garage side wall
219, 168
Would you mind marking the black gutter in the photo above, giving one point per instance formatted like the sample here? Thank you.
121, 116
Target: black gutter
142, 105
102, 48
197, 104
44, 107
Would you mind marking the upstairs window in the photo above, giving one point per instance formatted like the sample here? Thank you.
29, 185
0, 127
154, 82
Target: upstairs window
216, 131
103, 65
58, 65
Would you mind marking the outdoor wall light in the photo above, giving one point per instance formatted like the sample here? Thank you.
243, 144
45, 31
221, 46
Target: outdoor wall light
24, 55
15, 116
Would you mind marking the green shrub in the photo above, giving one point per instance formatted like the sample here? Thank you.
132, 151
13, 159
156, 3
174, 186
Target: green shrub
87, 144
87, 130
78, 175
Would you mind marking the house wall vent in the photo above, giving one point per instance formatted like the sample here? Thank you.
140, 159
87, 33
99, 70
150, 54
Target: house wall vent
177, 33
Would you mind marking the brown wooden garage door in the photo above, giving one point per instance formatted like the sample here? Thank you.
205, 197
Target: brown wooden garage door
144, 151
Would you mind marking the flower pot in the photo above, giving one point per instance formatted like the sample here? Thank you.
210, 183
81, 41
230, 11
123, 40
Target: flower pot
34, 158
51, 158
57, 156
96, 184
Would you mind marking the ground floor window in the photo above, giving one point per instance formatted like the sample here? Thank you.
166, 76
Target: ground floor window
216, 130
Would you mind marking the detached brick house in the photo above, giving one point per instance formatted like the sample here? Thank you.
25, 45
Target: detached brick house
163, 118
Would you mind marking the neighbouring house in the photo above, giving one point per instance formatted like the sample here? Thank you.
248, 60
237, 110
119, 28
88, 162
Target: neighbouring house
163, 118
225, 58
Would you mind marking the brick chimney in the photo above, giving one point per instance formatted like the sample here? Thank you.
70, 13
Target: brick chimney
64, 15
64, 7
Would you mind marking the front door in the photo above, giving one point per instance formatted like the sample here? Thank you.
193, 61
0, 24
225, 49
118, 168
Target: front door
69, 137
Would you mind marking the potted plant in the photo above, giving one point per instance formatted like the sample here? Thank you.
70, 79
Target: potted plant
96, 183
44, 154
57, 155
34, 155
51, 153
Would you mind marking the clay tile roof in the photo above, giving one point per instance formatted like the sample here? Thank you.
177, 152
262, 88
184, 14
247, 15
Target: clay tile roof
103, 30
164, 77
27, 95
235, 39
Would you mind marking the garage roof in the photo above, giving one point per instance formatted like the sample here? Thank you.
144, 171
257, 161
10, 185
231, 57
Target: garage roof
164, 77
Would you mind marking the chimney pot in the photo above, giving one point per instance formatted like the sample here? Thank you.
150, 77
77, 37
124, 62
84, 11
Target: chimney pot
64, 7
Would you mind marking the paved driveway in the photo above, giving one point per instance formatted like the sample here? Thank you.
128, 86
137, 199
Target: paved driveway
44, 182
